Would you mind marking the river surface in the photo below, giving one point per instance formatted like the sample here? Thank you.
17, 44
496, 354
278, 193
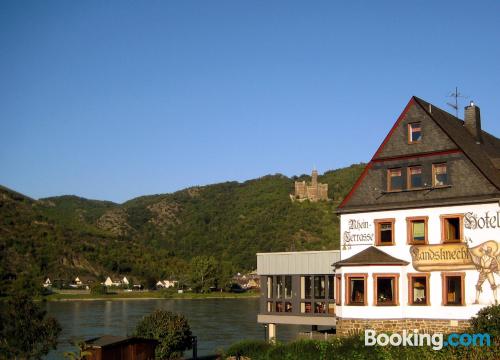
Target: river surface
217, 323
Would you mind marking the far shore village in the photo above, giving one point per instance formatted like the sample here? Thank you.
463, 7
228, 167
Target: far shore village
242, 281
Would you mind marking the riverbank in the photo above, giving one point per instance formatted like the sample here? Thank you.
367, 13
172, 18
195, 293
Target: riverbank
146, 295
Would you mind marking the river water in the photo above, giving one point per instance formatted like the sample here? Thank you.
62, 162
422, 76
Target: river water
217, 323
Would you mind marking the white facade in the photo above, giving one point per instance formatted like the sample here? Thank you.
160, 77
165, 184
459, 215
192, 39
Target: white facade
481, 224
166, 283
109, 282
170, 283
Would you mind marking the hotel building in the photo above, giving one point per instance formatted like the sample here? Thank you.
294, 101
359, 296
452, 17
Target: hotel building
419, 241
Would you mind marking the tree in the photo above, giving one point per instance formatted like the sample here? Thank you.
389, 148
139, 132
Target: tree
170, 330
150, 282
79, 354
26, 332
225, 274
487, 320
203, 273
25, 284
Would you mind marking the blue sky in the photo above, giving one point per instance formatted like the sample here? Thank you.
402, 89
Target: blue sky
115, 99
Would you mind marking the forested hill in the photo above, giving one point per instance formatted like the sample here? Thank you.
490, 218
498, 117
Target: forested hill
156, 235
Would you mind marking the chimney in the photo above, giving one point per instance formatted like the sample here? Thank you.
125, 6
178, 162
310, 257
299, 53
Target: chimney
472, 121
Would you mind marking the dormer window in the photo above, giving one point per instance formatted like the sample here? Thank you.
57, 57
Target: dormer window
394, 179
415, 177
414, 133
439, 175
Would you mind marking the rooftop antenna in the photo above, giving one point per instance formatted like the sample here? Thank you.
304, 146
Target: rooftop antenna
455, 94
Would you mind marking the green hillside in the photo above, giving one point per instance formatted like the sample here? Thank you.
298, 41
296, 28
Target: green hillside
157, 235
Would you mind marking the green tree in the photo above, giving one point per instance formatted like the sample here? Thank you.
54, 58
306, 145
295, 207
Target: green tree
170, 330
25, 284
26, 332
150, 282
203, 273
487, 320
226, 271
79, 354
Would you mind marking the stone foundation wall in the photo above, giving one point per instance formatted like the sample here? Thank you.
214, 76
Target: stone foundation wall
346, 327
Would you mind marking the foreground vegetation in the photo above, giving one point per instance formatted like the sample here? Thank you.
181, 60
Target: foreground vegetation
26, 332
353, 348
347, 348
171, 330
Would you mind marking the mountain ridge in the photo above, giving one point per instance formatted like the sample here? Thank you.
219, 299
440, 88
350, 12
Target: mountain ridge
156, 235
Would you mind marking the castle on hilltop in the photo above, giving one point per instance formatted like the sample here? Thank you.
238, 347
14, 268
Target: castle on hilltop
313, 191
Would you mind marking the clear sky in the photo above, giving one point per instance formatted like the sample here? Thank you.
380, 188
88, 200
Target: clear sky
115, 99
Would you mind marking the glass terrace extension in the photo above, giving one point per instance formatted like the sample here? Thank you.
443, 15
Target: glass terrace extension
317, 294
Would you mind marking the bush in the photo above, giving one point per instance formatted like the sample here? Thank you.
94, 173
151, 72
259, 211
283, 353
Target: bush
170, 330
99, 289
303, 350
297, 350
487, 320
168, 293
44, 291
353, 347
255, 349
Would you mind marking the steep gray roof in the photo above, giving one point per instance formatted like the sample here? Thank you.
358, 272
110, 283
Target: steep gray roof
485, 155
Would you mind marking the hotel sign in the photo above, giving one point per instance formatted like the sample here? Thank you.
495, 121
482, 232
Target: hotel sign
474, 221
441, 257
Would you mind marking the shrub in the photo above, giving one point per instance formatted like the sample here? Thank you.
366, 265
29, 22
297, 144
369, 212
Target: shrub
170, 330
345, 348
303, 350
168, 293
254, 349
353, 347
44, 291
487, 320
80, 354
99, 289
